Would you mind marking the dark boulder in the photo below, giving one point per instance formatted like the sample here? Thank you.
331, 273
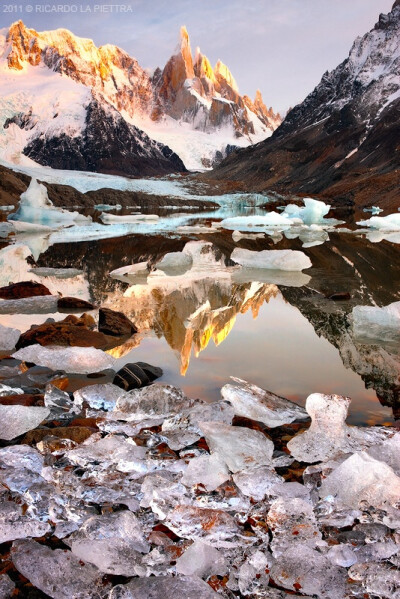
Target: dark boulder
115, 323
68, 304
134, 376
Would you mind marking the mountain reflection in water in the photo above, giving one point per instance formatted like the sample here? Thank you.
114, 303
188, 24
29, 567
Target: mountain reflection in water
284, 335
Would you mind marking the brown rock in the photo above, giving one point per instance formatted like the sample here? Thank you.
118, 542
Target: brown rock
68, 304
115, 323
75, 433
23, 289
66, 333
25, 399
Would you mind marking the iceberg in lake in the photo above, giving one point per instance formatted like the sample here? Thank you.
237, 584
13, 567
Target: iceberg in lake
377, 324
36, 210
391, 222
313, 211
290, 260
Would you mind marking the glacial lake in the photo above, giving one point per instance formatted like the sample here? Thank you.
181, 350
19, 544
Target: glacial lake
277, 330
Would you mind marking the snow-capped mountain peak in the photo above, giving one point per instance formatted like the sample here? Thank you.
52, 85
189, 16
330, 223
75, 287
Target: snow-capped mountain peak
189, 106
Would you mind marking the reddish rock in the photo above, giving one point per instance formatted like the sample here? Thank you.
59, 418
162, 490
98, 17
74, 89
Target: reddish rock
75, 433
68, 304
25, 399
115, 323
23, 289
69, 332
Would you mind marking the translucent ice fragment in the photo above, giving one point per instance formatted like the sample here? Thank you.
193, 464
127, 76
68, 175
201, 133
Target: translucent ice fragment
290, 260
112, 542
40, 304
58, 573
292, 522
362, 478
35, 207
162, 494
17, 420
388, 452
257, 404
81, 360
158, 399
301, 568
6, 587
16, 525
99, 397
8, 338
216, 527
202, 560
240, 448
208, 470
256, 482
164, 587
371, 323
329, 434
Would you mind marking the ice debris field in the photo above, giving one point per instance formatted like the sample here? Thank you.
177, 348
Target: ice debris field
172, 493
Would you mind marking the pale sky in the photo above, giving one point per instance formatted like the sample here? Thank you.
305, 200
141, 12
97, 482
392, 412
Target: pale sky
282, 47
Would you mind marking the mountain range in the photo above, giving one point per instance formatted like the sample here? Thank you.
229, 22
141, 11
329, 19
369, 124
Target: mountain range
67, 104
342, 141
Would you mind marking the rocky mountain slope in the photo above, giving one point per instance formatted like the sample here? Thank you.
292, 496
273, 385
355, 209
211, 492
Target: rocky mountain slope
342, 142
66, 103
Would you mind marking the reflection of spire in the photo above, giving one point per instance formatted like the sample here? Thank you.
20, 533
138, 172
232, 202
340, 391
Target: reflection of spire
193, 308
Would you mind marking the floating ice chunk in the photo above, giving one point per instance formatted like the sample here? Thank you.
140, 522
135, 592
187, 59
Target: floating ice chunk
247, 223
132, 273
312, 212
216, 527
237, 236
292, 521
374, 210
287, 260
112, 542
58, 273
127, 218
208, 470
106, 207
391, 222
16, 525
257, 404
256, 482
82, 360
58, 573
377, 324
362, 478
303, 568
17, 420
328, 434
202, 560
240, 448
6, 587
175, 263
99, 397
164, 587
8, 338
40, 304
35, 207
